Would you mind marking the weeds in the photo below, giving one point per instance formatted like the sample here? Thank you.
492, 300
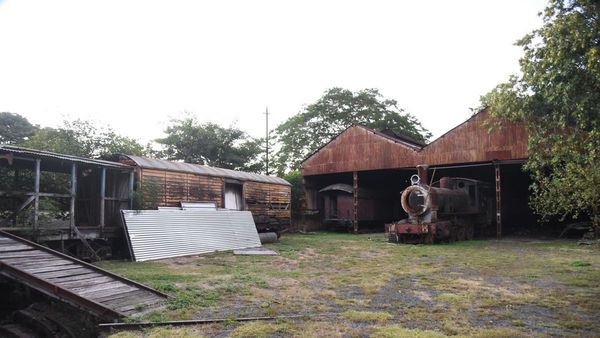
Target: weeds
372, 288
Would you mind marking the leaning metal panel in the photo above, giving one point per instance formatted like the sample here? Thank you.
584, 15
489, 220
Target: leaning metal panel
158, 234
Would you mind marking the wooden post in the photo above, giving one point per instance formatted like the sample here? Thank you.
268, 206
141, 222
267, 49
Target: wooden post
498, 201
36, 192
131, 180
102, 196
73, 195
355, 196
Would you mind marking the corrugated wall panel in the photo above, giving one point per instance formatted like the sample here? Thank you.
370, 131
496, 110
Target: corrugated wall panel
158, 234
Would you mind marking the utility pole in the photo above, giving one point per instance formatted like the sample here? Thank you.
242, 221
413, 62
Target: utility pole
267, 141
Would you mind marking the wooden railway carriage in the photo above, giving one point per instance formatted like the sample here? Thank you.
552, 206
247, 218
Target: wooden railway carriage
161, 183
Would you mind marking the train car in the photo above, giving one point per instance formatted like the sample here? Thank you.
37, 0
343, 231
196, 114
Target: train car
376, 208
161, 183
450, 209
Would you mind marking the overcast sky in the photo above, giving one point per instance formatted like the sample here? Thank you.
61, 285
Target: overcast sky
136, 64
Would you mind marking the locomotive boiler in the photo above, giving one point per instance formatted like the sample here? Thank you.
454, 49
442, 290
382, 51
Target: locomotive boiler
450, 209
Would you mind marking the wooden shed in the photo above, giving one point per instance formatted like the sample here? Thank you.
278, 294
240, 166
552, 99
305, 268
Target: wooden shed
366, 159
161, 183
70, 202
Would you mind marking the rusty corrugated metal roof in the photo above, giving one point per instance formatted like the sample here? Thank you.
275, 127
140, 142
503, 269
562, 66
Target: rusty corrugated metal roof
152, 163
42, 154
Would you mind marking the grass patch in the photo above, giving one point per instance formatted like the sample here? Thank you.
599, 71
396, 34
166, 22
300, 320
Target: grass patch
579, 264
366, 316
449, 298
260, 329
400, 332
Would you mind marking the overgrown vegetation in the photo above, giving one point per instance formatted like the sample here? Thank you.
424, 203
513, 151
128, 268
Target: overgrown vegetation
360, 285
557, 96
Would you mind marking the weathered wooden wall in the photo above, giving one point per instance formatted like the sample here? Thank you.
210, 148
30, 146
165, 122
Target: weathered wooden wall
176, 187
271, 200
266, 201
360, 149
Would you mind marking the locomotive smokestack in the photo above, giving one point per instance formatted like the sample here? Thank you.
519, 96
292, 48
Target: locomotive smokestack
422, 172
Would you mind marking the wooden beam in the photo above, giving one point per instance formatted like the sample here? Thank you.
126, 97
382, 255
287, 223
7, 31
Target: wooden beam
36, 191
131, 181
355, 196
102, 196
73, 196
498, 201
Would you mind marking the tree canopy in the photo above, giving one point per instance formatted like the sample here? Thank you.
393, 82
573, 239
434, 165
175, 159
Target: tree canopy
211, 144
334, 112
83, 138
557, 96
14, 128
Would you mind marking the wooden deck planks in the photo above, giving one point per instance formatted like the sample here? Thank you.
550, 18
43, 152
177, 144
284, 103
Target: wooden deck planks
88, 282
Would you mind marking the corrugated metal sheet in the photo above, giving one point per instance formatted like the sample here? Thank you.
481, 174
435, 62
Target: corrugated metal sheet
152, 163
56, 156
361, 149
158, 234
471, 142
199, 205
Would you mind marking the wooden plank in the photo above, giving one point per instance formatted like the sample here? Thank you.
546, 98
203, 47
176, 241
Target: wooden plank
62, 279
84, 282
113, 284
97, 294
120, 296
25, 262
34, 270
133, 297
35, 254
65, 273
15, 247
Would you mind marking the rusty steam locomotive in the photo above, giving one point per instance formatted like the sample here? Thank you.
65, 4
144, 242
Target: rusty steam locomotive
450, 209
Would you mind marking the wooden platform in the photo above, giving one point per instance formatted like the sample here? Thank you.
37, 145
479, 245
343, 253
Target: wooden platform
85, 286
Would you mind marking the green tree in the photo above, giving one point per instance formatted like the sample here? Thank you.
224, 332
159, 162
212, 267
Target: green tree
557, 96
213, 145
14, 128
83, 138
295, 179
336, 110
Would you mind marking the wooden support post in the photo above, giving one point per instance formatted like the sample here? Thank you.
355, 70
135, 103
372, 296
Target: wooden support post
102, 196
73, 196
36, 194
131, 180
355, 196
498, 201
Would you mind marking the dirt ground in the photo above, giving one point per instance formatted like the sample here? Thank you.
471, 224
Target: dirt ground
361, 286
